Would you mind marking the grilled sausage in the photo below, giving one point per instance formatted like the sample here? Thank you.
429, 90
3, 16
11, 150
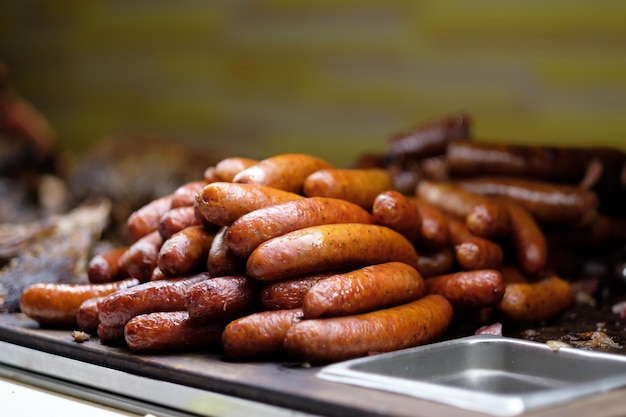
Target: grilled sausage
287, 294
170, 331
434, 232
340, 338
328, 248
163, 295
185, 195
55, 304
358, 186
141, 257
222, 299
145, 220
87, 315
185, 252
548, 202
468, 289
491, 219
176, 220
284, 172
259, 334
258, 226
222, 260
105, 267
536, 301
436, 261
227, 168
473, 252
431, 138
222, 203
396, 211
528, 240
366, 289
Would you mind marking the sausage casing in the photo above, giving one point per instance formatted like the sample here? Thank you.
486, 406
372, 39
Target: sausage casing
339, 338
396, 211
362, 290
287, 294
258, 226
328, 248
105, 267
468, 289
185, 252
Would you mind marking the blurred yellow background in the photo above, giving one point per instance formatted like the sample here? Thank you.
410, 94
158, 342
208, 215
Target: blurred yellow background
332, 78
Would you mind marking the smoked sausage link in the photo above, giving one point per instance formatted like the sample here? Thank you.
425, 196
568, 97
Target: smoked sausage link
328, 248
338, 338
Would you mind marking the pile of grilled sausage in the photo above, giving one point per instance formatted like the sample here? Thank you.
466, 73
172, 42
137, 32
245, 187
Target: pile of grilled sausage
291, 257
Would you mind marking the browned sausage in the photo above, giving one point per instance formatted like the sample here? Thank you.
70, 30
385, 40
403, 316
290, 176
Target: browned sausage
528, 239
287, 294
395, 210
140, 259
227, 168
258, 226
358, 186
528, 161
185, 195
548, 202
221, 259
468, 289
338, 338
87, 315
370, 288
55, 304
328, 247
176, 220
259, 334
473, 252
105, 267
222, 203
284, 172
437, 261
222, 299
430, 138
210, 175
434, 232
493, 220
163, 295
185, 252
170, 331
536, 301
145, 220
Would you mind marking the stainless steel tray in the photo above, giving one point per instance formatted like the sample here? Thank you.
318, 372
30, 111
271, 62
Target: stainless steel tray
490, 374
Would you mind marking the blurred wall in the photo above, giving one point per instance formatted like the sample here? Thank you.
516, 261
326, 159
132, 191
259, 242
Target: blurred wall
332, 78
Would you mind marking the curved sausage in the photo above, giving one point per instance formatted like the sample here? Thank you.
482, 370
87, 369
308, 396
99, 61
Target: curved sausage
87, 314
434, 232
493, 220
284, 172
358, 186
176, 220
222, 299
396, 211
436, 261
259, 334
258, 226
468, 289
141, 257
221, 259
536, 301
222, 203
430, 138
185, 252
548, 202
227, 168
105, 267
145, 220
328, 248
55, 303
370, 288
287, 294
473, 252
170, 331
185, 195
148, 297
339, 338
528, 240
